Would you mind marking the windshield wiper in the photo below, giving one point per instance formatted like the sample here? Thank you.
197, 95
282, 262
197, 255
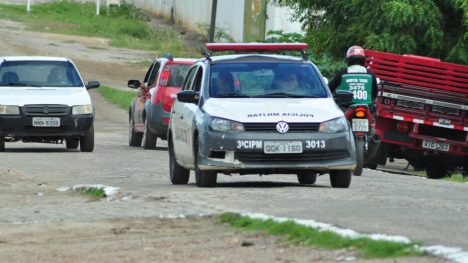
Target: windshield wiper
282, 95
232, 95
19, 84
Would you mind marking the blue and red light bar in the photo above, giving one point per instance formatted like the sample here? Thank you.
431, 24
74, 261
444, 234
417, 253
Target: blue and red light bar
255, 46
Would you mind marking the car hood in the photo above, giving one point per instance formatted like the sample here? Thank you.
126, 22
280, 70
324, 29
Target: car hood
31, 95
273, 110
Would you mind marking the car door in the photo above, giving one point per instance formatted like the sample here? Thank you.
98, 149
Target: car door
189, 112
143, 94
179, 129
151, 83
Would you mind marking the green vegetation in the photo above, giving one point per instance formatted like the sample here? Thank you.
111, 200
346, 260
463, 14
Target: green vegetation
298, 234
119, 97
125, 26
457, 178
94, 192
434, 28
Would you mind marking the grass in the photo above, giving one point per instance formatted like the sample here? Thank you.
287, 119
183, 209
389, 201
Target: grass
299, 234
457, 178
121, 98
93, 192
125, 26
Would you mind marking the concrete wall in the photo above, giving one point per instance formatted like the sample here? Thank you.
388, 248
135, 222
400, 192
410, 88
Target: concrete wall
230, 15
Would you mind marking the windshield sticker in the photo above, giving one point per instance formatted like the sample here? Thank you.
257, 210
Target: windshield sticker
277, 114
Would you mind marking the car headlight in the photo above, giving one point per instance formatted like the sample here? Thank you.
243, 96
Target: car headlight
335, 125
223, 125
9, 110
82, 109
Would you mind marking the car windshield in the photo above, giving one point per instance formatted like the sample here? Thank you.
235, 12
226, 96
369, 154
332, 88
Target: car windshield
177, 74
266, 80
39, 74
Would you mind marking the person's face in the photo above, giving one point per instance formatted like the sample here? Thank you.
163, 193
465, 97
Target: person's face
288, 82
222, 84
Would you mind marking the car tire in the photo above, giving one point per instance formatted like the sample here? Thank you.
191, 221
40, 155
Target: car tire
340, 178
359, 156
134, 138
178, 174
2, 144
149, 139
307, 178
72, 143
203, 178
437, 171
87, 141
372, 166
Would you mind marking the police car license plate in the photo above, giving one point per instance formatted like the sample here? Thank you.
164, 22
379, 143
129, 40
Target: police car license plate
445, 147
272, 147
361, 125
45, 122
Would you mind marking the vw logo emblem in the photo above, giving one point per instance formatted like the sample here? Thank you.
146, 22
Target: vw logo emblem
46, 110
282, 127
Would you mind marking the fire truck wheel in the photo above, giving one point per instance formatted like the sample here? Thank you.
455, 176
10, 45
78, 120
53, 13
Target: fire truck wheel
307, 178
437, 171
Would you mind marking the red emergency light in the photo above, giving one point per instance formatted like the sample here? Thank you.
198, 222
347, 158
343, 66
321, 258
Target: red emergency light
255, 46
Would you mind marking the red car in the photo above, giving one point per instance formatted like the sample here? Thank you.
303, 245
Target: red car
149, 112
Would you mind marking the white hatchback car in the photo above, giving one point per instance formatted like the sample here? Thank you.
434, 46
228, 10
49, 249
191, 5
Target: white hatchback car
44, 99
259, 113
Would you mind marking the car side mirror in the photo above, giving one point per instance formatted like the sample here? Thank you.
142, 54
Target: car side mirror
188, 96
93, 84
133, 84
343, 97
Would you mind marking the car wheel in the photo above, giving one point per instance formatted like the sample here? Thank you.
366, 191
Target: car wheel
359, 156
307, 178
372, 166
87, 141
340, 178
149, 139
437, 171
178, 174
2, 144
134, 138
203, 178
72, 143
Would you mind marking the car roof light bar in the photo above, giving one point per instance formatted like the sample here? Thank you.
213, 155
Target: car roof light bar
259, 47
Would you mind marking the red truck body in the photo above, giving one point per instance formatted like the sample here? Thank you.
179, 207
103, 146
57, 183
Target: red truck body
421, 111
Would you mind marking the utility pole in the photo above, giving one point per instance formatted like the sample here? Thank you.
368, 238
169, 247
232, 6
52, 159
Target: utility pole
97, 7
28, 6
213, 21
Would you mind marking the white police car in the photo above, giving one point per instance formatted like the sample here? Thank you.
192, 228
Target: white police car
44, 99
258, 113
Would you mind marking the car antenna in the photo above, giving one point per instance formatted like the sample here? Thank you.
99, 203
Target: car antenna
206, 54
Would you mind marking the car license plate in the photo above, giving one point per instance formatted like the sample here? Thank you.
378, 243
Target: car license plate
272, 147
45, 122
445, 147
361, 125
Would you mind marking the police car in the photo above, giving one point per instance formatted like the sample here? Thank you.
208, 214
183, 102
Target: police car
258, 112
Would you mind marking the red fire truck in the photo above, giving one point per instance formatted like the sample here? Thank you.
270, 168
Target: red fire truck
422, 112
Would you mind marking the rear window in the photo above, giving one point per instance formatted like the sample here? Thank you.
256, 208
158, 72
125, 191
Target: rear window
39, 73
177, 74
266, 80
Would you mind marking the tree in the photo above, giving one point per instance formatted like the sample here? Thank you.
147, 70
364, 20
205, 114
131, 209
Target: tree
436, 28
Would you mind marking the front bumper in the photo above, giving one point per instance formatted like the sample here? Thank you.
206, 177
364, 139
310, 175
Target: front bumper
245, 151
19, 127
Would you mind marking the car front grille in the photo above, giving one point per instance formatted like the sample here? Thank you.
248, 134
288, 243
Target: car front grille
256, 157
46, 110
271, 127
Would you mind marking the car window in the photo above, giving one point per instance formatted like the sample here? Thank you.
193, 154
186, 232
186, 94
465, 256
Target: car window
272, 79
148, 73
198, 79
190, 75
177, 74
39, 73
153, 75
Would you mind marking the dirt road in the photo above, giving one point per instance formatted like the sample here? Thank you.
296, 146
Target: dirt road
150, 220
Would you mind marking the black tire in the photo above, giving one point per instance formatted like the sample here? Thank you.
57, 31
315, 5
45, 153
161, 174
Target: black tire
340, 178
437, 171
203, 178
87, 141
134, 138
149, 139
2, 144
178, 174
359, 156
372, 166
72, 143
307, 178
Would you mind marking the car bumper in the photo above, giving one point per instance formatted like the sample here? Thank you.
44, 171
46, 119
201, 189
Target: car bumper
21, 126
245, 151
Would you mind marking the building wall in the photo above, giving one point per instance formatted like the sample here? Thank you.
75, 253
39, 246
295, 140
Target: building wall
196, 15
